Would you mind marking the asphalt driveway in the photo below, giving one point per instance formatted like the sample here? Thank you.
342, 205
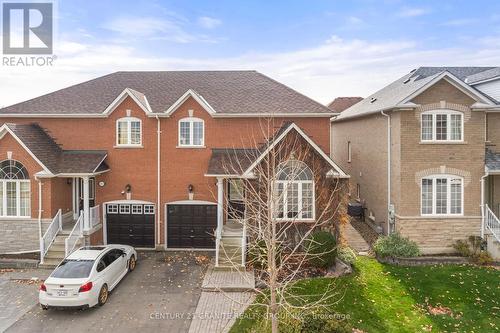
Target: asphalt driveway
159, 296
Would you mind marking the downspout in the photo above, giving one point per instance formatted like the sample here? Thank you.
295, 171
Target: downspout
388, 173
158, 173
40, 235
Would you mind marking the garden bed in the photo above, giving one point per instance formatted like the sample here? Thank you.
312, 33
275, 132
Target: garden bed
423, 260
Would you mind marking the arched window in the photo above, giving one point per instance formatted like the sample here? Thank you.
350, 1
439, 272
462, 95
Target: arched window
294, 191
128, 132
191, 132
15, 189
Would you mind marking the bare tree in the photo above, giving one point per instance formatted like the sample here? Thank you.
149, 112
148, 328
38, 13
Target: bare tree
278, 221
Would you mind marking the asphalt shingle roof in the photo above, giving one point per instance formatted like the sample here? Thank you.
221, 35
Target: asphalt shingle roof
228, 92
397, 91
340, 104
50, 154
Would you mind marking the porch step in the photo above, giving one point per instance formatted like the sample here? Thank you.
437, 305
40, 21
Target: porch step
230, 255
50, 263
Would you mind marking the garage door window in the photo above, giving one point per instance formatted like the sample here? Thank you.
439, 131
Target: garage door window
124, 209
136, 209
149, 209
112, 209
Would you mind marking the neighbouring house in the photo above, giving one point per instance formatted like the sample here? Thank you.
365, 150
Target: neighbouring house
340, 104
423, 154
129, 158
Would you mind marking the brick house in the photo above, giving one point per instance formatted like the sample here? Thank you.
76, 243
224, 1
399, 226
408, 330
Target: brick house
125, 158
422, 153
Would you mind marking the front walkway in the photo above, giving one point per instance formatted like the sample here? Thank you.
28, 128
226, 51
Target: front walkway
225, 296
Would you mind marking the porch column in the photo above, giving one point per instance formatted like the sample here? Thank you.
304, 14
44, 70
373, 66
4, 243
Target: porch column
86, 206
75, 196
220, 205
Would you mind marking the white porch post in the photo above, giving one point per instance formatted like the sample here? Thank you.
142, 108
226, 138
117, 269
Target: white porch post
86, 205
75, 195
220, 203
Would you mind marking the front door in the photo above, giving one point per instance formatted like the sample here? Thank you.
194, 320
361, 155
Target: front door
235, 192
91, 193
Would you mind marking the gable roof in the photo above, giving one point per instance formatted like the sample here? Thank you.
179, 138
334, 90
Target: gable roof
241, 162
400, 91
229, 93
340, 104
54, 160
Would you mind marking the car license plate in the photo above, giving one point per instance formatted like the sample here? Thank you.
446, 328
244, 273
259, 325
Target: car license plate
62, 293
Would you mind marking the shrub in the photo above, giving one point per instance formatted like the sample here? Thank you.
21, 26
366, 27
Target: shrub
321, 249
346, 254
314, 321
396, 245
257, 254
473, 248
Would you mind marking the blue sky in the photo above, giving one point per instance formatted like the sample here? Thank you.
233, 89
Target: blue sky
321, 48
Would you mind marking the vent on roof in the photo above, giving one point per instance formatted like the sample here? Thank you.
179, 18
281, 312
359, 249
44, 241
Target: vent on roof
406, 81
413, 70
373, 100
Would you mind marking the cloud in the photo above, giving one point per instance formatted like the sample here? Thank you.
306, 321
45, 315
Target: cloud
412, 12
335, 67
209, 22
459, 22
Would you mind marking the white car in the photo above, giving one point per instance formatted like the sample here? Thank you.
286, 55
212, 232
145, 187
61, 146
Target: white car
85, 277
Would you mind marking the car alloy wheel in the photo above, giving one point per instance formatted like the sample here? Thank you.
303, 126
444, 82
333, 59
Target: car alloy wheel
103, 295
131, 264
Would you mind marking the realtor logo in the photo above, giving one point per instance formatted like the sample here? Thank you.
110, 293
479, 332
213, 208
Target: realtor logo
27, 28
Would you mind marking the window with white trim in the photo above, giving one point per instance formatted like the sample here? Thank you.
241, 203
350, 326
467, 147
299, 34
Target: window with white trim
442, 195
136, 209
112, 209
15, 190
149, 209
442, 125
191, 132
128, 131
124, 209
349, 152
294, 192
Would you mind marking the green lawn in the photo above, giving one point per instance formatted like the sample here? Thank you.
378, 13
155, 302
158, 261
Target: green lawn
385, 298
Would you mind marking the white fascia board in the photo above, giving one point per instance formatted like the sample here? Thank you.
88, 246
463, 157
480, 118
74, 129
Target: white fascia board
198, 98
5, 129
341, 173
118, 100
452, 79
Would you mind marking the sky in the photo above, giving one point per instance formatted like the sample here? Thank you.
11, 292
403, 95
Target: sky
323, 49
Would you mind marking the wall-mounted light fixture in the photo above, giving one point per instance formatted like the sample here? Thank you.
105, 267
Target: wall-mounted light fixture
69, 181
191, 191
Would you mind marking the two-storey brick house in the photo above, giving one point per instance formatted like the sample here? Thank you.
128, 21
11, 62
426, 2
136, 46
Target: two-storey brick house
127, 156
423, 152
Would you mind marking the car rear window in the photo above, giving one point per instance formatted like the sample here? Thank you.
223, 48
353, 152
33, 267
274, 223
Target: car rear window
73, 269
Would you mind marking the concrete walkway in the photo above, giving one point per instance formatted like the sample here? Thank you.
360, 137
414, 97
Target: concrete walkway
225, 296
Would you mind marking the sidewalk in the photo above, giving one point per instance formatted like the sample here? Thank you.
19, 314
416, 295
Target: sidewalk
225, 295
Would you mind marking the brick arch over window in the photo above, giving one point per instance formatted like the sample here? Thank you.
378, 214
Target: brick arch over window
443, 170
443, 105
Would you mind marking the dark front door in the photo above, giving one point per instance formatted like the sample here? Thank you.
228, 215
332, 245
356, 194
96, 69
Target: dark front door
191, 226
131, 224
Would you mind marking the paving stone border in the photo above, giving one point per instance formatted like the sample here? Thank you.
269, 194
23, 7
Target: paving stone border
424, 260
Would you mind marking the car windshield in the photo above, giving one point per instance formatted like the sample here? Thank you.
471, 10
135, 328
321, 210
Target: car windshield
73, 269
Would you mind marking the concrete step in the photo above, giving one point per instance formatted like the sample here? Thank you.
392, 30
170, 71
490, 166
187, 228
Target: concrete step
235, 241
50, 263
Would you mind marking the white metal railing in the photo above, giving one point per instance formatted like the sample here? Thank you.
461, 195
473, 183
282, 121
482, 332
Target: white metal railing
94, 216
50, 234
244, 243
74, 236
492, 223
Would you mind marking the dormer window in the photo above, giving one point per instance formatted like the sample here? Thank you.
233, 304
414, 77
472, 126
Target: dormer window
191, 132
128, 132
442, 126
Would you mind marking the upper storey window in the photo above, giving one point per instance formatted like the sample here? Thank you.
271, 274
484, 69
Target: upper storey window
191, 132
443, 126
128, 132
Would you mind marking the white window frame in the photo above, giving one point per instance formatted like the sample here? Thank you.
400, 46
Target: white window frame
136, 211
349, 152
112, 208
3, 212
284, 200
128, 121
149, 209
447, 113
448, 195
125, 211
191, 121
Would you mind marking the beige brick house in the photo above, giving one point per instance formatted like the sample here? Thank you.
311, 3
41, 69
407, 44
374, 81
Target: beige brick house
424, 155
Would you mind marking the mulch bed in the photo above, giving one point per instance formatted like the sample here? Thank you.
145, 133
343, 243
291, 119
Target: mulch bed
367, 232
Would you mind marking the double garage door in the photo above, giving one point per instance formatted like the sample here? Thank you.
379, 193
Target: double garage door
131, 224
188, 226
191, 226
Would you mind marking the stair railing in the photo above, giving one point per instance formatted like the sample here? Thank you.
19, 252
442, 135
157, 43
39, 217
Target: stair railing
492, 223
50, 234
73, 237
